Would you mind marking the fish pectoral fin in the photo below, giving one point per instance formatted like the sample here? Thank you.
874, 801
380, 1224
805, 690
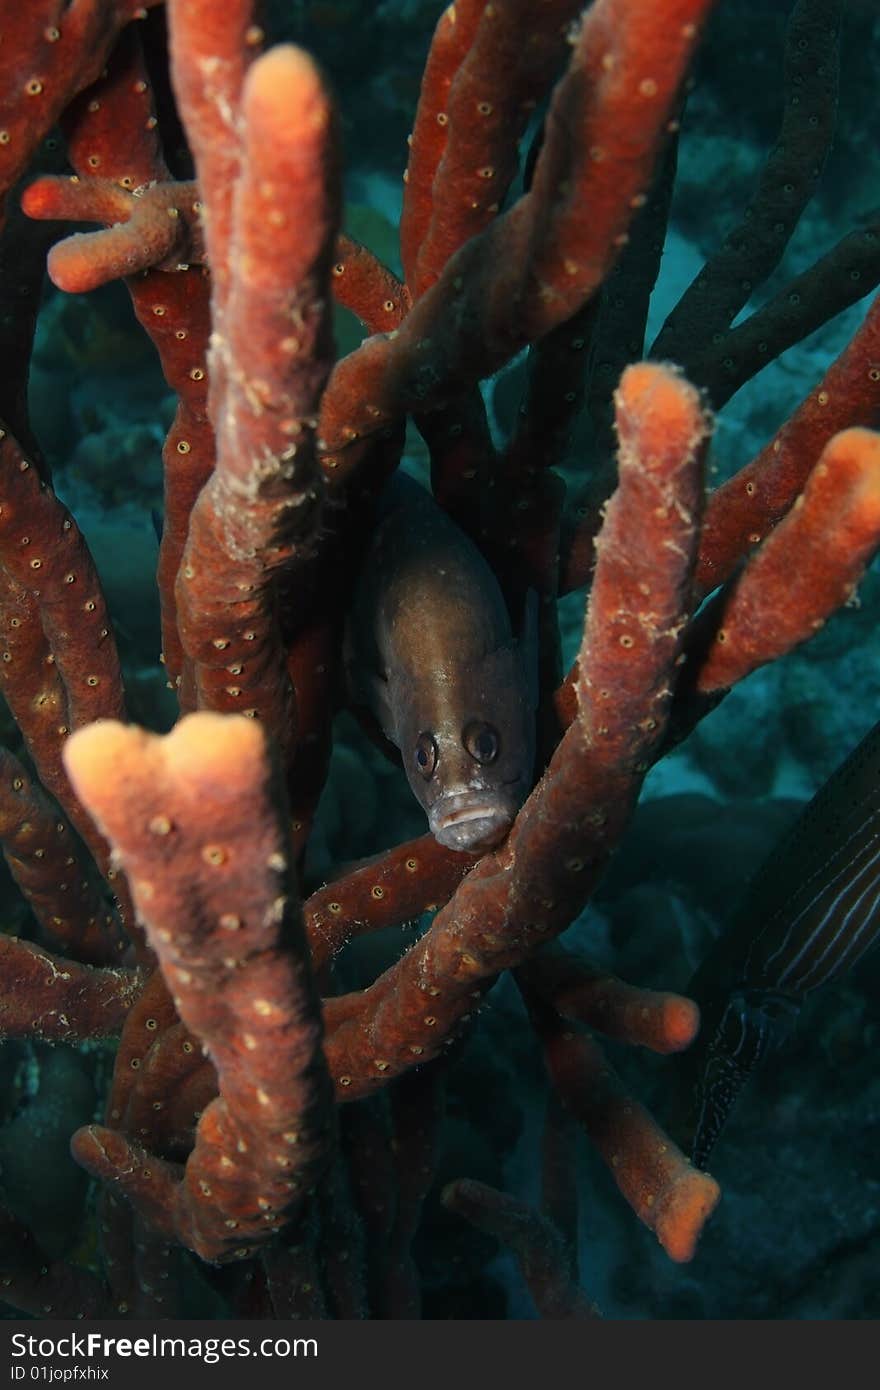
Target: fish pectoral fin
375, 693
528, 647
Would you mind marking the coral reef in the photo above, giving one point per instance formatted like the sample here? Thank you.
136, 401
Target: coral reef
293, 1100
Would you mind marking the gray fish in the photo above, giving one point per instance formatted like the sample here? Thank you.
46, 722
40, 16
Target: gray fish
432, 655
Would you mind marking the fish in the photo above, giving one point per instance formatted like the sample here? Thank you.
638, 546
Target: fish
431, 653
811, 913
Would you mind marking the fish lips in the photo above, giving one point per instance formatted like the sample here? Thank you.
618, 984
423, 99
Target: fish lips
472, 820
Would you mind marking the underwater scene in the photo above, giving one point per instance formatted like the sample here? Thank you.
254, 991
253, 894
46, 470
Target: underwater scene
440, 769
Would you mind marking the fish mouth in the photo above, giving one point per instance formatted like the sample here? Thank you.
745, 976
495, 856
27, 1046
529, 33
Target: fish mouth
470, 821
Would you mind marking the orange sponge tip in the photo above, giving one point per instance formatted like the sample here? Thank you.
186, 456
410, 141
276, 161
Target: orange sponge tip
660, 415
683, 1211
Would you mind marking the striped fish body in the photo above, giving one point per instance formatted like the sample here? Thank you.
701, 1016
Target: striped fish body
810, 914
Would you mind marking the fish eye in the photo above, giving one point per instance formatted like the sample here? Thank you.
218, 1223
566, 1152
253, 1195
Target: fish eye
482, 741
426, 754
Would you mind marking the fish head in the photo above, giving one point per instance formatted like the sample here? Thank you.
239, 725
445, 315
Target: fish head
754, 1023
467, 739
